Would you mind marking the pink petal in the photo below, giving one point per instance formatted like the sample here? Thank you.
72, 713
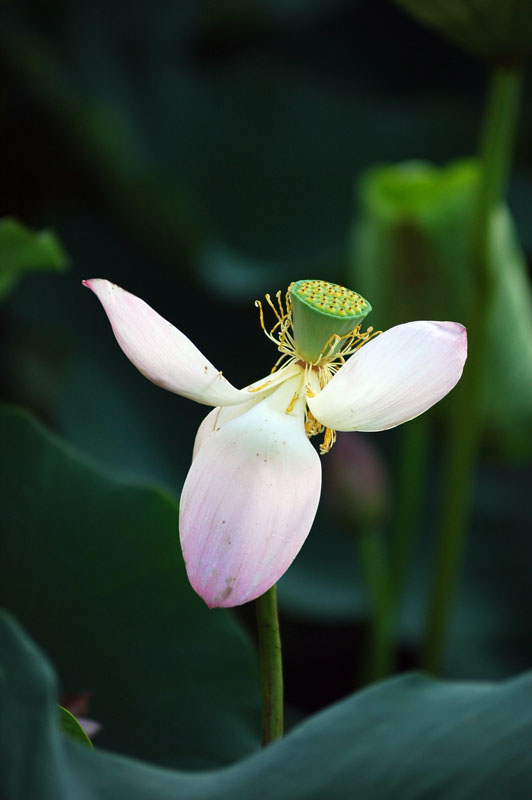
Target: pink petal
249, 500
162, 353
394, 377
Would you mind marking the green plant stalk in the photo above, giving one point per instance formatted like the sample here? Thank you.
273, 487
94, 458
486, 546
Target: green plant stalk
410, 493
373, 557
496, 149
385, 572
271, 666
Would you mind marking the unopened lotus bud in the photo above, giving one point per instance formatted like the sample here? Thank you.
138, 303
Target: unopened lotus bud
409, 249
411, 252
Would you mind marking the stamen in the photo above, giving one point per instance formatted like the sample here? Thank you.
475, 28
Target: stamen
280, 333
280, 303
258, 305
259, 388
280, 361
316, 375
292, 403
328, 441
272, 306
312, 426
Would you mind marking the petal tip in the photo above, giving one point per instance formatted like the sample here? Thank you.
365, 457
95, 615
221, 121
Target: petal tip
457, 327
95, 284
461, 330
461, 334
457, 330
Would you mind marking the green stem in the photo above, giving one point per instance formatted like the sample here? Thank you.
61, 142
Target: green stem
384, 571
497, 143
414, 447
271, 666
374, 560
496, 151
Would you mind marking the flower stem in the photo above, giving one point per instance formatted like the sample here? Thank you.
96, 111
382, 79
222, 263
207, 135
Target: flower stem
271, 667
374, 560
497, 143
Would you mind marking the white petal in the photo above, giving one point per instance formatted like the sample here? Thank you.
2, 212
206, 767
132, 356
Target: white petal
249, 501
394, 377
218, 417
161, 352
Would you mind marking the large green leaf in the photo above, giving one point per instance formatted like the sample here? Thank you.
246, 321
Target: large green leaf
410, 737
92, 567
21, 249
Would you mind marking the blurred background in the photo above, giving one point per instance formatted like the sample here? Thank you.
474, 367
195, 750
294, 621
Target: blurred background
200, 154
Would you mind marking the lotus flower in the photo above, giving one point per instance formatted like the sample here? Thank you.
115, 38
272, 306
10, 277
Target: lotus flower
253, 488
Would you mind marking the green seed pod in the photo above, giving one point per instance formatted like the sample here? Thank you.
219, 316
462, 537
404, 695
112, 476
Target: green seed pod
321, 311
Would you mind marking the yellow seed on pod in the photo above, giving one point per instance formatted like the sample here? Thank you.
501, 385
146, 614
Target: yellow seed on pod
336, 300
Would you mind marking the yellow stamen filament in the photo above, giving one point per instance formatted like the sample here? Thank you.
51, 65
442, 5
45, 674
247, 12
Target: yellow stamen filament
259, 388
292, 403
320, 372
328, 440
312, 426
